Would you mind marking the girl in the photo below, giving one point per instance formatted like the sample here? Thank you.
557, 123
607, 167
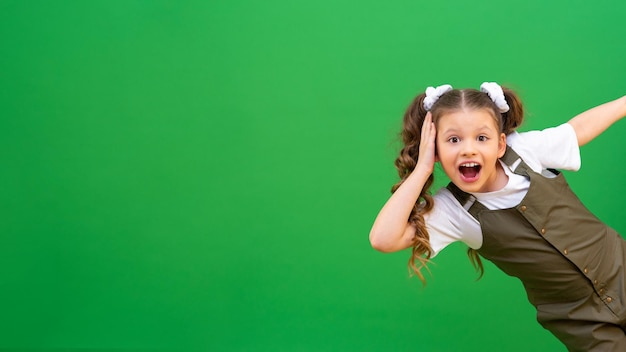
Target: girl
508, 203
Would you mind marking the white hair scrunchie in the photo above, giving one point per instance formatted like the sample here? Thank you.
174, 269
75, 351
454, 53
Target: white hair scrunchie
433, 94
496, 94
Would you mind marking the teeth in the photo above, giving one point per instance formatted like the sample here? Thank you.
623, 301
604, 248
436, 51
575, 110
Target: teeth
469, 165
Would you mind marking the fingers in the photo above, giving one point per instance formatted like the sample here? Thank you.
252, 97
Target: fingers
433, 131
427, 143
428, 129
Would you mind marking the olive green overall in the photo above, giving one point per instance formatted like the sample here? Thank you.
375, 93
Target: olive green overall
570, 263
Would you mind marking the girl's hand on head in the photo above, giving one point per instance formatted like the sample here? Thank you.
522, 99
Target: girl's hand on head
426, 159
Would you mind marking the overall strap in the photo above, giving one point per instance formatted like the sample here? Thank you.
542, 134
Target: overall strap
467, 201
510, 158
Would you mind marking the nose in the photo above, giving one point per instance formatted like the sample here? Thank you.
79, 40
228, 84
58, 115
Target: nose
469, 148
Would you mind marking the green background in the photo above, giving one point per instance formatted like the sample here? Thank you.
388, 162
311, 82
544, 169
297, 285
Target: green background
204, 174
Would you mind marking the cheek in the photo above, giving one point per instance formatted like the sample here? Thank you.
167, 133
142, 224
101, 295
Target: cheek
445, 156
443, 147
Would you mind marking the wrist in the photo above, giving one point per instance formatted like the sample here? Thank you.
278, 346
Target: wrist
423, 171
623, 105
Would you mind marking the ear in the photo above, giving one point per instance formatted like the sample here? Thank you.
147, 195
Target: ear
501, 145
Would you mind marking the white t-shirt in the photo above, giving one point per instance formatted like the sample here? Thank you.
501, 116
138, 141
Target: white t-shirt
555, 148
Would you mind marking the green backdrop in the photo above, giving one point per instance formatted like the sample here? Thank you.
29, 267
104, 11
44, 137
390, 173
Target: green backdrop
204, 174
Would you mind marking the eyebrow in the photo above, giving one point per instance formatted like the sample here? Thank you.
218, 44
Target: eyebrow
454, 129
484, 127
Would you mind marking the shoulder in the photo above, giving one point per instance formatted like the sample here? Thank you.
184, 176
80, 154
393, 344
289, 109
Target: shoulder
445, 202
561, 132
554, 147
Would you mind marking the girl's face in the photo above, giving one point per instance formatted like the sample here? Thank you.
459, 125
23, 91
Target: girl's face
468, 147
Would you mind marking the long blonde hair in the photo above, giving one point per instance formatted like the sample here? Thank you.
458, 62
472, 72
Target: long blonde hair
413, 120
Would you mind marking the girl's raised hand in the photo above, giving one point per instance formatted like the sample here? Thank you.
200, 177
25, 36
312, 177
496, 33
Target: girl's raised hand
426, 158
391, 230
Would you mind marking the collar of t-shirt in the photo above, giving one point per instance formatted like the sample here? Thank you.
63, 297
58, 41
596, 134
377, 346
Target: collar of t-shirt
509, 196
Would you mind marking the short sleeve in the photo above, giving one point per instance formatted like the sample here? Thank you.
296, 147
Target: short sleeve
555, 147
448, 222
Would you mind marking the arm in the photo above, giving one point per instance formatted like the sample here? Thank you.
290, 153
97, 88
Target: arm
591, 123
391, 230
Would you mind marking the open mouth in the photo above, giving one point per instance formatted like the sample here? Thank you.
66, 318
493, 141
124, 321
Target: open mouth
469, 171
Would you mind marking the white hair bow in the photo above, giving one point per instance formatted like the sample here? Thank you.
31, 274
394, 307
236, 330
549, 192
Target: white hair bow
496, 94
433, 94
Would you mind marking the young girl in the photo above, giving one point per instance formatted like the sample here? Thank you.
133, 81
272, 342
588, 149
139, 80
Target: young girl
508, 203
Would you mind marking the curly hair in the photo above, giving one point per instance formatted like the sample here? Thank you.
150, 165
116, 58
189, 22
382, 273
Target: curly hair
454, 100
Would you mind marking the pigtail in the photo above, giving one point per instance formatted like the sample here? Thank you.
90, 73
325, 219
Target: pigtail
405, 163
476, 262
515, 116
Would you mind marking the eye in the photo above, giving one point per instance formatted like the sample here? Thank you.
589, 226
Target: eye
453, 139
482, 138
